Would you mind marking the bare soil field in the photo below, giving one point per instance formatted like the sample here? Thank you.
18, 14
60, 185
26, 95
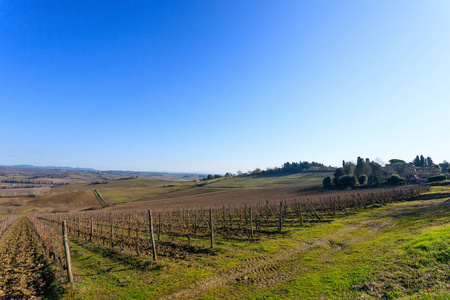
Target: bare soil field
209, 197
24, 273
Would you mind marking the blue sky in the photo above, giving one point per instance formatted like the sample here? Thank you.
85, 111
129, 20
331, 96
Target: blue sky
219, 86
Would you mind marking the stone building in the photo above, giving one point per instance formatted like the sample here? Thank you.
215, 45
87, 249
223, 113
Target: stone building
410, 172
406, 170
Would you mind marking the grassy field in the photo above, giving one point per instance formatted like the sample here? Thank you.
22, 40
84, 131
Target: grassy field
398, 251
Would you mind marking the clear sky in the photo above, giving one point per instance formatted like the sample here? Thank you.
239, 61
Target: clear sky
219, 86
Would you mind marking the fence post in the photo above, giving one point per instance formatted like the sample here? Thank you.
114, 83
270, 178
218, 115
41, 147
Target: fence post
334, 211
151, 234
92, 230
315, 212
211, 226
66, 249
342, 205
300, 212
251, 223
159, 227
281, 216
112, 232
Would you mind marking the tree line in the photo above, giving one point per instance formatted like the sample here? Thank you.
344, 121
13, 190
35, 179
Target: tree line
362, 173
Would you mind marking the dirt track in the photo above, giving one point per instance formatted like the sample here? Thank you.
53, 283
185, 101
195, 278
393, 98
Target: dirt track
23, 272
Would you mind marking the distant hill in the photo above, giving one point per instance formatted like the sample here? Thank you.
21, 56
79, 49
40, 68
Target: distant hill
69, 174
49, 167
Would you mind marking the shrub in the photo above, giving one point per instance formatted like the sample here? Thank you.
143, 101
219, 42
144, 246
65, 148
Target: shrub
347, 181
327, 183
441, 177
396, 179
362, 179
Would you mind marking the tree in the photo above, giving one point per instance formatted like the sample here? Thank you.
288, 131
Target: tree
422, 161
444, 166
209, 177
256, 171
429, 162
327, 183
359, 169
396, 179
347, 181
416, 161
367, 168
239, 172
362, 179
397, 161
338, 173
349, 168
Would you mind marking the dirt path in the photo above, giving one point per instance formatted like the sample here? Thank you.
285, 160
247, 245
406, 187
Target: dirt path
277, 269
23, 272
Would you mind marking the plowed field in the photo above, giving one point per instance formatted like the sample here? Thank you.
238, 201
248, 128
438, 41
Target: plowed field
24, 273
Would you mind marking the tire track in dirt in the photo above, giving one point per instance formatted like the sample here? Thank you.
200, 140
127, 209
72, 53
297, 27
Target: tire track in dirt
269, 268
24, 273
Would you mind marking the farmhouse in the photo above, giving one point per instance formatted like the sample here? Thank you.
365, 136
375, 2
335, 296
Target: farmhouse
425, 172
405, 170
410, 172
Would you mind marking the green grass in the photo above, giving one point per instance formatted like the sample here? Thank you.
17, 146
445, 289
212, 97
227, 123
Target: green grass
398, 251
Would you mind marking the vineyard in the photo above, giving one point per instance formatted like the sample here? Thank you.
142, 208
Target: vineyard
175, 233
155, 238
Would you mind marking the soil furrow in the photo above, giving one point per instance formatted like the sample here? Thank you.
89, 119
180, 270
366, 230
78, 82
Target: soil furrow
24, 273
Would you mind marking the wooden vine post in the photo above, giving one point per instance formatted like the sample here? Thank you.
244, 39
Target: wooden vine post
159, 226
251, 223
66, 249
211, 227
152, 238
195, 221
300, 216
334, 211
280, 225
92, 230
112, 232
314, 211
342, 205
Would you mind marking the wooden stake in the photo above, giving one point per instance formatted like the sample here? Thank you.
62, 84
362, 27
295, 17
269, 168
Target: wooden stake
112, 232
280, 226
251, 223
159, 227
315, 212
342, 205
195, 221
334, 212
211, 227
92, 230
300, 212
66, 249
152, 239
